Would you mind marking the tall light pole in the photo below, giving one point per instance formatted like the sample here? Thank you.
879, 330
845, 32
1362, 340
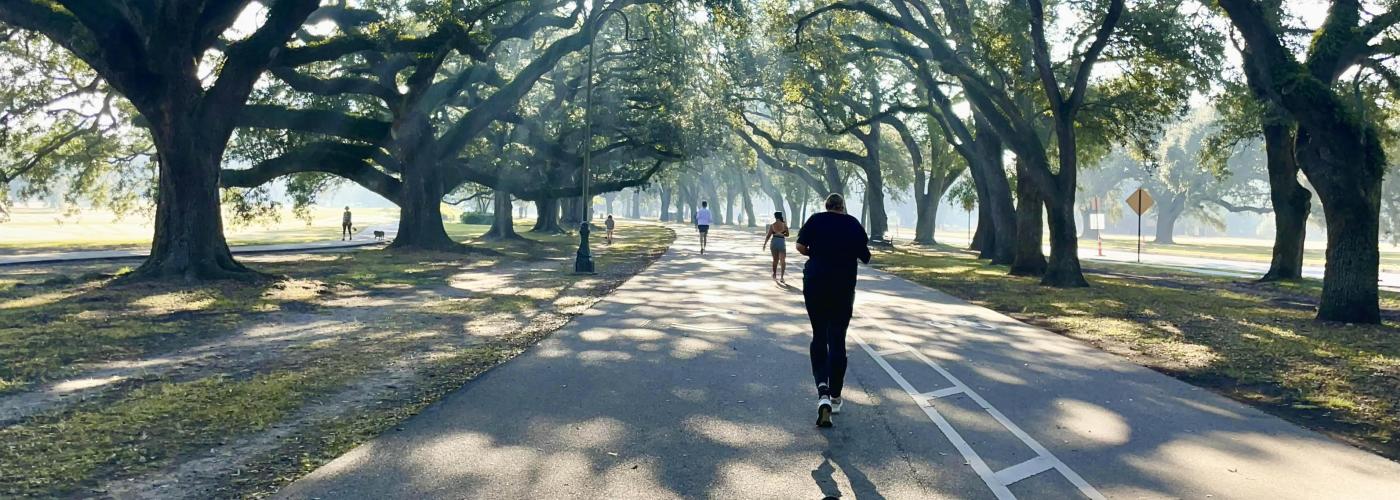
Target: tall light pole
583, 261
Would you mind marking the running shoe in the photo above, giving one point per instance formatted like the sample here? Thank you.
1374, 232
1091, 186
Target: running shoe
824, 412
836, 405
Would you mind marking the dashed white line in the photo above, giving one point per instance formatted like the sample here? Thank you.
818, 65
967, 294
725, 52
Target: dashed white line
997, 481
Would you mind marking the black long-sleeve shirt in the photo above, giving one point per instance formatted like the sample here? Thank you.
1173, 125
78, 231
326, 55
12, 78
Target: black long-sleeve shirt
834, 243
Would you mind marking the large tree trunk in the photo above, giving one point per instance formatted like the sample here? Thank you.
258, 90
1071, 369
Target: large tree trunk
636, 211
665, 195
1063, 268
189, 231
983, 238
608, 202
420, 210
502, 222
875, 186
1348, 181
748, 206
995, 195
1292, 204
571, 212
1168, 213
548, 220
924, 223
1030, 256
832, 174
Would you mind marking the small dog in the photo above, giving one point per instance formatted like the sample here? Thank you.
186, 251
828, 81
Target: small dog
379, 235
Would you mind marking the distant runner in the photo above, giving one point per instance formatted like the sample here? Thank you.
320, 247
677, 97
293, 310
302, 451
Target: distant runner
702, 222
610, 224
778, 233
347, 230
832, 241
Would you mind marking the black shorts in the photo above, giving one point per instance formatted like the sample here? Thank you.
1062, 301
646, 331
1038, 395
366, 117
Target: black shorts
704, 228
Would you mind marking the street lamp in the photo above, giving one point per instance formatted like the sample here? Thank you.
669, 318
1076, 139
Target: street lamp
583, 262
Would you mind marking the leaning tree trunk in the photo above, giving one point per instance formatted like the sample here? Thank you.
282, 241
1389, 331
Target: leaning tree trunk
1348, 181
189, 231
502, 223
1030, 256
548, 220
1292, 204
1167, 215
420, 210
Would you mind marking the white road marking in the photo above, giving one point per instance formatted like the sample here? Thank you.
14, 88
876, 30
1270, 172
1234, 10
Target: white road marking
996, 481
941, 393
1024, 470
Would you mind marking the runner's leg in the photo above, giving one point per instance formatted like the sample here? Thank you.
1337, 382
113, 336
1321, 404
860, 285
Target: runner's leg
817, 313
841, 307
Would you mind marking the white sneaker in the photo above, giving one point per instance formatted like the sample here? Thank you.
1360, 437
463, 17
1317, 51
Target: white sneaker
824, 412
835, 406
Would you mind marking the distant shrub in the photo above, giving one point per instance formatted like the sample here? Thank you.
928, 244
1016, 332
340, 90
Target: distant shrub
476, 218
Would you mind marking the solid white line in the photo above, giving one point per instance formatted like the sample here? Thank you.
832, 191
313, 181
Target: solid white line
1023, 470
992, 482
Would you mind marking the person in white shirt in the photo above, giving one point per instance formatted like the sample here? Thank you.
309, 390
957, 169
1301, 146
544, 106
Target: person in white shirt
702, 222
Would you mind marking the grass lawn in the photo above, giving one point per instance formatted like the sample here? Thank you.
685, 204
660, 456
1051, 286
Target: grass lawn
1253, 342
233, 389
44, 230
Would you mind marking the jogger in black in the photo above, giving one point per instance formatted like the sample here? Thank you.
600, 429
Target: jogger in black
830, 314
833, 241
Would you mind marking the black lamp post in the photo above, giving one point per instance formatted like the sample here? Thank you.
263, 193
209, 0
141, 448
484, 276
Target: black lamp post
583, 261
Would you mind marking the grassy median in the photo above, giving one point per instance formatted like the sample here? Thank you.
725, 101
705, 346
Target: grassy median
1257, 343
233, 389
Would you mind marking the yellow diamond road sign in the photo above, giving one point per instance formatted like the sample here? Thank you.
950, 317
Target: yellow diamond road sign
1140, 201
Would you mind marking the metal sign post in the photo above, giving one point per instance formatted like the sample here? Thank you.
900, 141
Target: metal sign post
1139, 201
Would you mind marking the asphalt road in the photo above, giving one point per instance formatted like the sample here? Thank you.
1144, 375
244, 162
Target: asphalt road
692, 381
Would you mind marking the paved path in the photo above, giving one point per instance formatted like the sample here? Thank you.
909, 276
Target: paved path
363, 238
692, 381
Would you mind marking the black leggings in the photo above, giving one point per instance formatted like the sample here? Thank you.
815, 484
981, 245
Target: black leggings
829, 307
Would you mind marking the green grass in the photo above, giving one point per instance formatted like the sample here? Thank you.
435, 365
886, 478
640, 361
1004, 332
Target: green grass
149, 427
54, 319
1255, 342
